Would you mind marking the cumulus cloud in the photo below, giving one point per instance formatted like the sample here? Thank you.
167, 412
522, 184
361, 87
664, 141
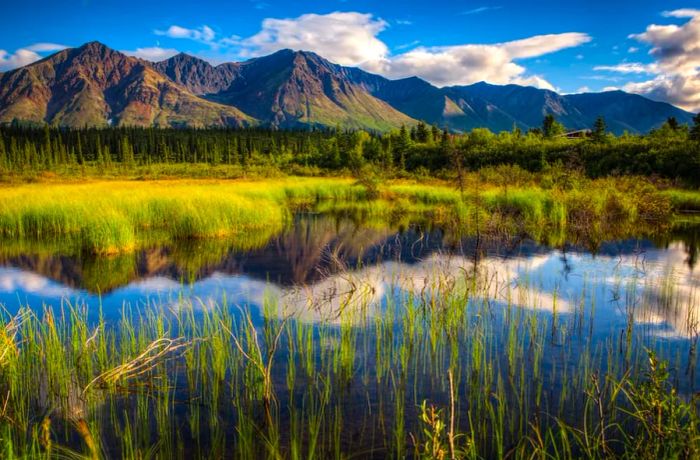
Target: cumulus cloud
534, 80
19, 58
679, 90
153, 54
465, 64
346, 38
352, 39
676, 66
26, 55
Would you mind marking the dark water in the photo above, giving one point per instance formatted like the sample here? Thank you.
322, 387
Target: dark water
320, 267
317, 253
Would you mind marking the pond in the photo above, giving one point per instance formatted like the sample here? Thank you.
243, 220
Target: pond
330, 337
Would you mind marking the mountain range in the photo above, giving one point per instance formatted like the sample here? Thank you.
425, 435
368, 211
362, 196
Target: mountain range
94, 85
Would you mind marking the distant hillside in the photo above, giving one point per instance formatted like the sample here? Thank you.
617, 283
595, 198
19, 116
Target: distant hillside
197, 75
500, 108
96, 86
287, 90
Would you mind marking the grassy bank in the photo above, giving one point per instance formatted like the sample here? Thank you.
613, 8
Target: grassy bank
108, 217
687, 201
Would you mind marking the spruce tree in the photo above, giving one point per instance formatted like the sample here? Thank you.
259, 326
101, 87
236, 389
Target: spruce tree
551, 127
422, 133
695, 129
672, 123
599, 132
127, 153
3, 154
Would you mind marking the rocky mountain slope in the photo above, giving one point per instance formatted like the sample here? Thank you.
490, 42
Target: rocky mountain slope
96, 86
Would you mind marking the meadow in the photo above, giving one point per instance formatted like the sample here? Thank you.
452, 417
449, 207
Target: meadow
452, 363
106, 217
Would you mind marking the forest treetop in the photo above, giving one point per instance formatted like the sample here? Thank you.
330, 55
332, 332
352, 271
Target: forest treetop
671, 151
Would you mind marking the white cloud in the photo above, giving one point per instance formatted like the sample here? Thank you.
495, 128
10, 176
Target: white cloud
481, 9
537, 81
19, 58
676, 89
544, 44
201, 34
407, 45
628, 67
351, 39
26, 55
681, 13
676, 50
45, 47
153, 54
466, 64
14, 280
346, 38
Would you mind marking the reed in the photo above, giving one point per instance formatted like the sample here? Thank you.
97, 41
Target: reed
467, 366
684, 200
110, 217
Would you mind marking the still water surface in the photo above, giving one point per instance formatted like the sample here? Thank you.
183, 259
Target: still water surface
322, 263
333, 274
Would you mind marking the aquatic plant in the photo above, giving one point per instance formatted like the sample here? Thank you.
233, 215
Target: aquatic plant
108, 218
464, 364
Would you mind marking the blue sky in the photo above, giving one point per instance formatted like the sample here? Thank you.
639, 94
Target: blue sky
568, 46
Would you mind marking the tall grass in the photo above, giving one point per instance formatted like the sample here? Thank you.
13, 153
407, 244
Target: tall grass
457, 369
111, 217
684, 200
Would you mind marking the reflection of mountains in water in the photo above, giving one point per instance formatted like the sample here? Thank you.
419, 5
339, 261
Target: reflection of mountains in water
311, 249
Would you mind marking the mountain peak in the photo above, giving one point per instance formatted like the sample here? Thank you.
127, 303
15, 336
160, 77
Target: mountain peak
94, 46
294, 88
184, 57
417, 82
290, 55
196, 74
285, 52
98, 53
96, 85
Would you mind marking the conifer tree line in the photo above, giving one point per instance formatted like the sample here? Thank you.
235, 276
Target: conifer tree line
671, 151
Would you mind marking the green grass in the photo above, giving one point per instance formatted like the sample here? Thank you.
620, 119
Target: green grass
110, 217
452, 372
113, 217
684, 200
